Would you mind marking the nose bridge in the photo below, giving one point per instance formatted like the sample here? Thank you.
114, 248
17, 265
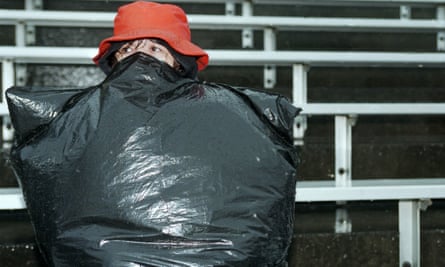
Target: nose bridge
144, 46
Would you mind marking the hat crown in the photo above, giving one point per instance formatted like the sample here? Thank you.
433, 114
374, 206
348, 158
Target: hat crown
149, 16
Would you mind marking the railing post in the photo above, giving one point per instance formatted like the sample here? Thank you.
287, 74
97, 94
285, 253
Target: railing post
343, 167
7, 81
30, 36
409, 233
343, 150
405, 12
270, 74
299, 98
247, 33
230, 8
441, 35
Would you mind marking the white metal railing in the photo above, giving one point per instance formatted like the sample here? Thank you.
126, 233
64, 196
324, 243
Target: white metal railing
224, 22
11, 199
321, 191
70, 55
371, 189
413, 195
82, 55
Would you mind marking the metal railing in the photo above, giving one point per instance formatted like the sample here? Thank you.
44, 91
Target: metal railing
224, 22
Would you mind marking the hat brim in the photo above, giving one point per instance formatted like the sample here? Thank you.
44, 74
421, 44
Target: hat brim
182, 46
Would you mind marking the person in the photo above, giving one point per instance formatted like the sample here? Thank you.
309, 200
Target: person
152, 167
158, 30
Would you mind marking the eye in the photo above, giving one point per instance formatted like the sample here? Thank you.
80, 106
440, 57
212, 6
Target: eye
125, 49
156, 48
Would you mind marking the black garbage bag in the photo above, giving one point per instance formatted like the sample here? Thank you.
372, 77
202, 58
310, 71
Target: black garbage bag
150, 169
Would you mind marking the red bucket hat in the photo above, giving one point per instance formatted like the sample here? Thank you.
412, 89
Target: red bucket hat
142, 19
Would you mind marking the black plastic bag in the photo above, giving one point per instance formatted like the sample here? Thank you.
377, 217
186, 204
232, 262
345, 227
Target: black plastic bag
150, 169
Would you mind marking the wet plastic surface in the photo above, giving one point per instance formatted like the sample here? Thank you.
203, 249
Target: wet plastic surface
146, 169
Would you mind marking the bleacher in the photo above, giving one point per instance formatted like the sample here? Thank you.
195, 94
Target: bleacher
323, 54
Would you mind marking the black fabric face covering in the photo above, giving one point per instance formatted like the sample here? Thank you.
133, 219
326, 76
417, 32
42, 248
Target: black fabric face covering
188, 69
107, 60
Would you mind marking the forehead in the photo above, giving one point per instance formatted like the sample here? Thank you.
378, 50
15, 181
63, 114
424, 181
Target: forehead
153, 40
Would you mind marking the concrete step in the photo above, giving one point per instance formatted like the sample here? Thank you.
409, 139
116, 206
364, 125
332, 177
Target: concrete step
20, 255
371, 249
17, 241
